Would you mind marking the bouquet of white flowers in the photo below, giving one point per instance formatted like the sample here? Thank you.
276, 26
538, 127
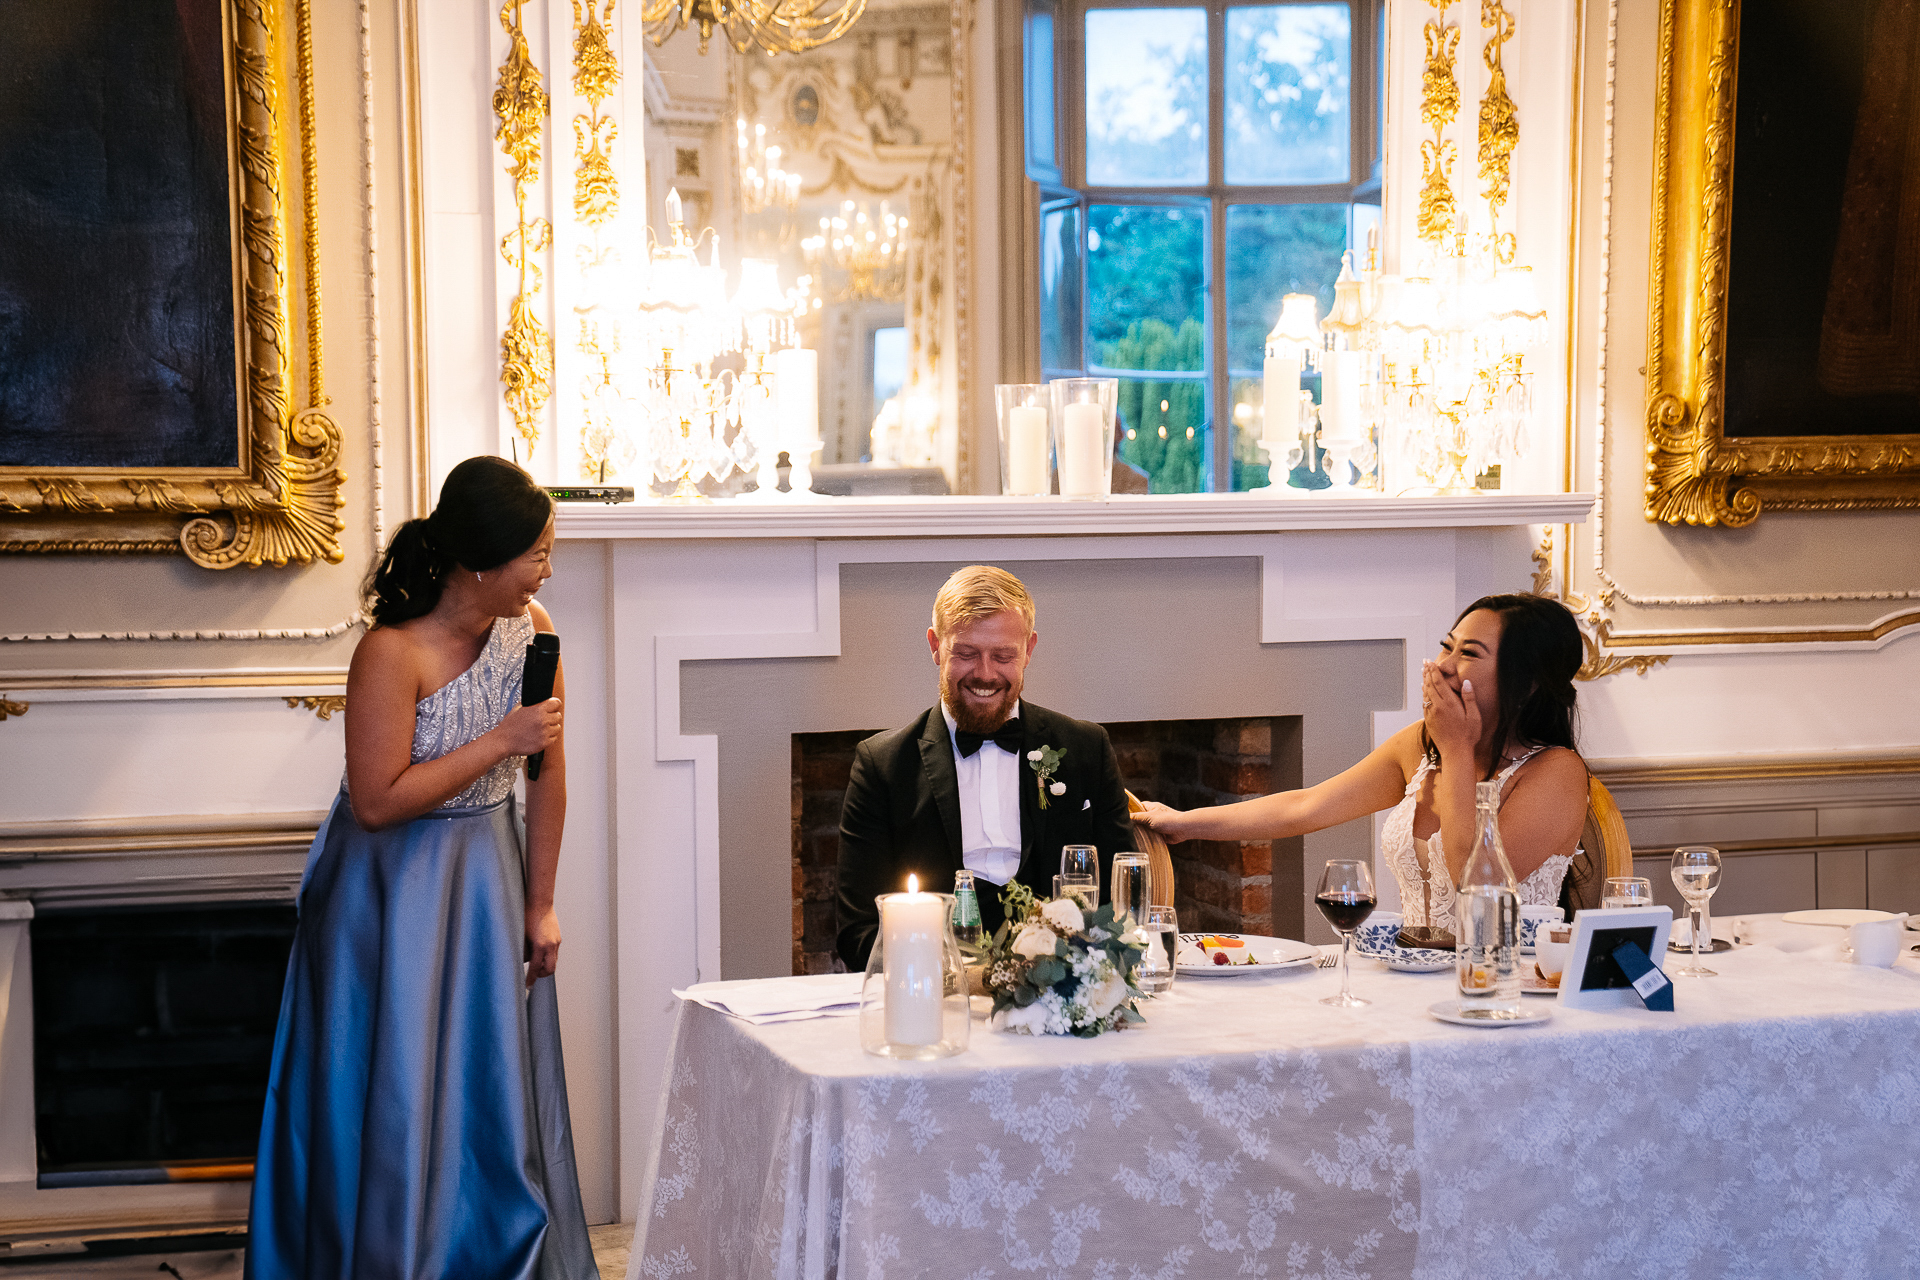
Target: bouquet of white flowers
1056, 969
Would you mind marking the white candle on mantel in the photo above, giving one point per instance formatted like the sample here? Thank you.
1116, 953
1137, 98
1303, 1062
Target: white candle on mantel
796, 379
1027, 449
1280, 386
912, 928
1082, 441
1340, 398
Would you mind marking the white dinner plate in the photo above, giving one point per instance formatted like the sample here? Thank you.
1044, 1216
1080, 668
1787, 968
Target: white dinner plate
1449, 1011
1268, 954
1839, 917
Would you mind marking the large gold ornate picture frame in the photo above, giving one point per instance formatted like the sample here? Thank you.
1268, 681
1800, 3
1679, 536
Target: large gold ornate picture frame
1696, 474
280, 504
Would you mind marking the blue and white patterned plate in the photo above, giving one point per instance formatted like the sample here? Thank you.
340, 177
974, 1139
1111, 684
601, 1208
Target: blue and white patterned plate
1413, 959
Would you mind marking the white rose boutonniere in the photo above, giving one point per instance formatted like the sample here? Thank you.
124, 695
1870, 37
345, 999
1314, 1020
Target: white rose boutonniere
1045, 761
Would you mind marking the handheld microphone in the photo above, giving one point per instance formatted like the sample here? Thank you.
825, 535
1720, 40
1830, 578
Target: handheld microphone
536, 683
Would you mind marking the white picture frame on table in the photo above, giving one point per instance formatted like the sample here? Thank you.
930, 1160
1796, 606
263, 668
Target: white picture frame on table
1591, 980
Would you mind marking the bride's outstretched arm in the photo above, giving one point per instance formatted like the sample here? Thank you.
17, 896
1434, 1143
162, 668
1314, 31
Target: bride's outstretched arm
1376, 783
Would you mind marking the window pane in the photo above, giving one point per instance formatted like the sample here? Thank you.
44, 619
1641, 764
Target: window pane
1039, 94
1272, 250
1147, 303
1289, 79
1060, 287
1146, 97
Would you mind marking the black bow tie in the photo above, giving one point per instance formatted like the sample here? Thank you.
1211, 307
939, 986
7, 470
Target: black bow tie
1007, 737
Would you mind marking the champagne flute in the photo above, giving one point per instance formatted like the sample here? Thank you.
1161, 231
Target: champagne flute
1345, 897
1696, 874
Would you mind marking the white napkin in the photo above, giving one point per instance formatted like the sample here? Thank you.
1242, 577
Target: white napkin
764, 1000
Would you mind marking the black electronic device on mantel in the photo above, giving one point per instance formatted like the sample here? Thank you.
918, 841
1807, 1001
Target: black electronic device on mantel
536, 683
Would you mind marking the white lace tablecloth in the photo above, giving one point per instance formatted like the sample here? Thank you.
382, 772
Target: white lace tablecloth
1769, 1127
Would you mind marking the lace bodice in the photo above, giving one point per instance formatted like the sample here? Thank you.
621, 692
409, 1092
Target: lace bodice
1417, 889
471, 704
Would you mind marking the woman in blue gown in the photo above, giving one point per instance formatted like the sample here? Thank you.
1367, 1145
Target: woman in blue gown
416, 1122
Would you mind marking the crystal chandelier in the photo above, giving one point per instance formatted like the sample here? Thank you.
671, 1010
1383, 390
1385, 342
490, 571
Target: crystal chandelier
707, 424
870, 252
773, 26
763, 183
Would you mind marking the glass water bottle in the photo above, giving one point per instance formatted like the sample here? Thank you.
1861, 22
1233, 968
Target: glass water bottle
1487, 919
967, 929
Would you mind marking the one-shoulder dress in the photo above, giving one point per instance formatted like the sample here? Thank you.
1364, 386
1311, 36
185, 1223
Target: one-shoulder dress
1426, 897
416, 1121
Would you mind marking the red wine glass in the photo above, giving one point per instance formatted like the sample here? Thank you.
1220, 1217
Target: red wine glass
1345, 897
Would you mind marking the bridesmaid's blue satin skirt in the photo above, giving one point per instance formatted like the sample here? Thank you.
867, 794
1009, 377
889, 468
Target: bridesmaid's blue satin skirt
416, 1124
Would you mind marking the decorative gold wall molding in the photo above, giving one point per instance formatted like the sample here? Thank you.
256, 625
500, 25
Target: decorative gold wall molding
281, 504
1695, 473
1499, 128
322, 705
1594, 619
596, 202
1439, 106
526, 348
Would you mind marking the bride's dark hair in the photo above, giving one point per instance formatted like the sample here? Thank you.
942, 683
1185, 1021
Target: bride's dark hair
1540, 650
490, 512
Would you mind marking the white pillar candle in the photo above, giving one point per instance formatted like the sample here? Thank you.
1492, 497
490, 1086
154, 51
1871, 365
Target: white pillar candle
1026, 449
912, 928
1280, 387
1340, 397
1083, 440
796, 373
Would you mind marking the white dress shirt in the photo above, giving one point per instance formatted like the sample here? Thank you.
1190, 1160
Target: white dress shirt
989, 806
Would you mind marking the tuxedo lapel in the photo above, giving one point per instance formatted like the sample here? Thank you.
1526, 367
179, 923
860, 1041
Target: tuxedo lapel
1033, 820
941, 779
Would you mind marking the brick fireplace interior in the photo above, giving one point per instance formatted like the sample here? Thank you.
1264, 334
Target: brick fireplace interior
1243, 888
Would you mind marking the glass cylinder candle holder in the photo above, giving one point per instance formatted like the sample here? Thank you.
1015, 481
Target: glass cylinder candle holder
913, 1000
1083, 424
1026, 438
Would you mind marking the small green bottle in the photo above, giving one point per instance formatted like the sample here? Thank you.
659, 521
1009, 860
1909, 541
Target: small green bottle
966, 912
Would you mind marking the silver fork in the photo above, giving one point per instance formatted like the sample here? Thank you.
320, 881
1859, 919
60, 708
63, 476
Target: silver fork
1327, 960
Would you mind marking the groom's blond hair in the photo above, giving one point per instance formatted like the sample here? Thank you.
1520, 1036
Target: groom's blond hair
975, 592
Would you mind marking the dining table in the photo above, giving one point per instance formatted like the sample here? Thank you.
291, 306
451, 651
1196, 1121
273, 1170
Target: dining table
1768, 1126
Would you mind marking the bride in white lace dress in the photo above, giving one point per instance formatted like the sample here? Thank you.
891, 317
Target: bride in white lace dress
1497, 704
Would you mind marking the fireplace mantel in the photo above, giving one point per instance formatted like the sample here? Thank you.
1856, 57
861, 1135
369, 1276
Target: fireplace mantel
974, 517
699, 639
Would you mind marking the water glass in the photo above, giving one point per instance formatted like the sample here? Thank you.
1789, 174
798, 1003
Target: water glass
1131, 890
1627, 891
1084, 890
1156, 970
1696, 874
1080, 860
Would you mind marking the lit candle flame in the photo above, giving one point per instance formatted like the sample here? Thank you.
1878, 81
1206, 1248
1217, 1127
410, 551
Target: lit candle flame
913, 884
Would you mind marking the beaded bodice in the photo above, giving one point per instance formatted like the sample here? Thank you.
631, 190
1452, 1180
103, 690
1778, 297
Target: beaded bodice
1426, 897
471, 704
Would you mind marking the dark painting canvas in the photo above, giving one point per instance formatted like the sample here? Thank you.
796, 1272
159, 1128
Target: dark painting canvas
1823, 289
116, 264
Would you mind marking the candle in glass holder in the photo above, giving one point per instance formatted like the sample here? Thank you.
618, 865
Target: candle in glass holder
911, 926
1027, 449
1083, 430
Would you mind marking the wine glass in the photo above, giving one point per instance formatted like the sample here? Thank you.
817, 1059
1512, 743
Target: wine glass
1345, 897
1696, 874
1081, 860
1627, 891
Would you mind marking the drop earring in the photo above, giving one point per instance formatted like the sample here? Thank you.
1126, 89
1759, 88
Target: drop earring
480, 578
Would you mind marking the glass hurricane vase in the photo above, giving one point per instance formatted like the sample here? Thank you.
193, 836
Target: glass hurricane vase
913, 1000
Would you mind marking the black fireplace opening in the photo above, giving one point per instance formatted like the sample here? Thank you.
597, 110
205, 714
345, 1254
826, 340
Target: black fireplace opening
153, 1037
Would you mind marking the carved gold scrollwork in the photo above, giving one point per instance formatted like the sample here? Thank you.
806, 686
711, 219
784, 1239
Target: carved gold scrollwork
12, 709
1439, 106
526, 348
323, 705
1696, 474
1596, 627
596, 201
1499, 126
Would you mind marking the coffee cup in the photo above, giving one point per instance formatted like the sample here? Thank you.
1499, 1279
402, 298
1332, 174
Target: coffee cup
1378, 932
1551, 947
1877, 942
1531, 919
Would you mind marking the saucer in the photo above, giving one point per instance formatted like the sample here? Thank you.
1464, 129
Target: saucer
1412, 959
1450, 1011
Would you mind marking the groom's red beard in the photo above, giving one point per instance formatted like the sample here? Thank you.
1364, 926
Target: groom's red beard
971, 715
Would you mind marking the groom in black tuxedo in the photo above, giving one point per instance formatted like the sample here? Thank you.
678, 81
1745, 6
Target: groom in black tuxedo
962, 785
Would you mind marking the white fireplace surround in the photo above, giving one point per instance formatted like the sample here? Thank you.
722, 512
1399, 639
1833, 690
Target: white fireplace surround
641, 591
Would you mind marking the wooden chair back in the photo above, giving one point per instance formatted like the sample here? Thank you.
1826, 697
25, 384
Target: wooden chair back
1160, 862
1605, 851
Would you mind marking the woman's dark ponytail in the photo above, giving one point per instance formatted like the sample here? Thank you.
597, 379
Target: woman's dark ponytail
490, 512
